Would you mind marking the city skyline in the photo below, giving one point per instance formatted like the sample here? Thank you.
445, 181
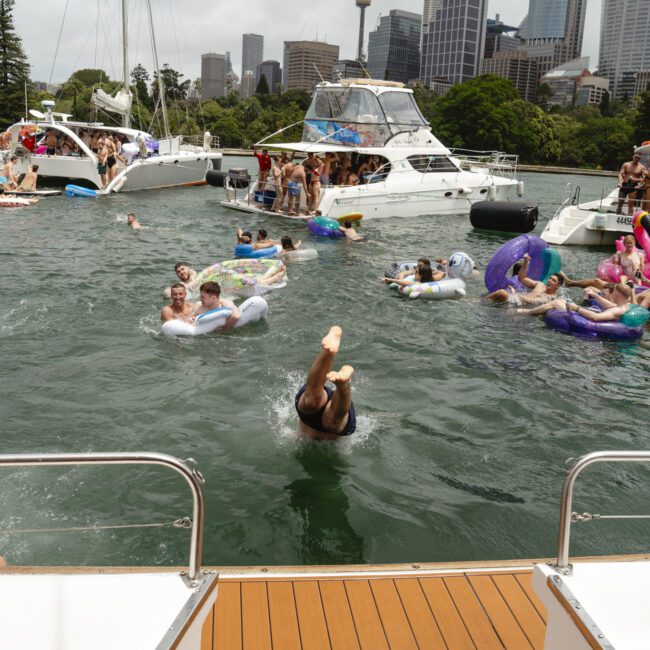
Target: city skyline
182, 38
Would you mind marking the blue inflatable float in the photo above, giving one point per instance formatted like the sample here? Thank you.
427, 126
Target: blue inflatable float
77, 190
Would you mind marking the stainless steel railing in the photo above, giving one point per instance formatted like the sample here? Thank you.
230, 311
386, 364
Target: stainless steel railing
190, 474
566, 514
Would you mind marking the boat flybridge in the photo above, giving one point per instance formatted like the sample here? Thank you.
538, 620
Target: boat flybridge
592, 223
149, 163
415, 173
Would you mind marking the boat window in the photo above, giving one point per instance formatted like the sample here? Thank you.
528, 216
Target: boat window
429, 163
349, 104
400, 108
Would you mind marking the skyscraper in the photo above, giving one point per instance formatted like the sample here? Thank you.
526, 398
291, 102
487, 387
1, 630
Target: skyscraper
213, 76
252, 53
553, 31
394, 47
624, 43
273, 73
453, 40
305, 62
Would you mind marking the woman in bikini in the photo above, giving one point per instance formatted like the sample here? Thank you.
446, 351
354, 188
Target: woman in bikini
315, 185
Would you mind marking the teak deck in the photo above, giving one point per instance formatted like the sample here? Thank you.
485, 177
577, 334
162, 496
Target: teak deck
377, 610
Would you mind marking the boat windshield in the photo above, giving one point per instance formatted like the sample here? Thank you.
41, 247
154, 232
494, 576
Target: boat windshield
356, 117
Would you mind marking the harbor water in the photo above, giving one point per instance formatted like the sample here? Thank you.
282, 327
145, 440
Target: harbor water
467, 412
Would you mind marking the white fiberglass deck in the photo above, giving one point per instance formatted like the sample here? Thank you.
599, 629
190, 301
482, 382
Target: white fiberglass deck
99, 611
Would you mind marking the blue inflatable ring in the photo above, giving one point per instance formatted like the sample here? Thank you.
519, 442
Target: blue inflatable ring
246, 250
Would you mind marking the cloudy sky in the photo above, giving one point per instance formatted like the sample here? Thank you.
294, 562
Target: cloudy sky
187, 28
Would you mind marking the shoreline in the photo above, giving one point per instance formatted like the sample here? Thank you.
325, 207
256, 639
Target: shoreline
542, 169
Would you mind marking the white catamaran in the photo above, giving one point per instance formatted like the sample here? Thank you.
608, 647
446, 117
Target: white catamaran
150, 163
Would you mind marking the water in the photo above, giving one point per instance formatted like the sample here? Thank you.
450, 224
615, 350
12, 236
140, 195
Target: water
467, 411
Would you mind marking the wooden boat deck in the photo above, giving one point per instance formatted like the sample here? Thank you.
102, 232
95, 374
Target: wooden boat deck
374, 608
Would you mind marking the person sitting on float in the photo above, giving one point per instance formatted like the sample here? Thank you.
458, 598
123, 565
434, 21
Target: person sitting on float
630, 260
539, 293
423, 273
245, 237
622, 297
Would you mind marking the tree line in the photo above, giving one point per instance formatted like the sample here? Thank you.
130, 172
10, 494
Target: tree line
484, 113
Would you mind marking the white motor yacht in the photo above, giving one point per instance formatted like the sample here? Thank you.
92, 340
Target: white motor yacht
415, 175
592, 223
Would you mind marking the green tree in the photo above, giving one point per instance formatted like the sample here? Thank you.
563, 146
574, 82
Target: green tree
14, 68
262, 86
73, 87
175, 89
90, 76
533, 134
603, 106
642, 119
140, 77
544, 93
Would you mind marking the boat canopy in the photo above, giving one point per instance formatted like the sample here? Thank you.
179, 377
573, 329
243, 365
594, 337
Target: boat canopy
356, 116
120, 104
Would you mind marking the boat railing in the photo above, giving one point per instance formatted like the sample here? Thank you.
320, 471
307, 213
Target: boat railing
198, 141
493, 161
184, 467
568, 516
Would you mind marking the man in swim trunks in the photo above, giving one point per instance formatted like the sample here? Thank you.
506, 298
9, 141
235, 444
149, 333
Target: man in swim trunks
102, 156
8, 172
28, 183
179, 308
540, 293
50, 143
211, 299
327, 414
629, 178
297, 179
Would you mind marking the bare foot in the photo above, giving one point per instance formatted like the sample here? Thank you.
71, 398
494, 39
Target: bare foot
567, 281
523, 311
343, 376
332, 340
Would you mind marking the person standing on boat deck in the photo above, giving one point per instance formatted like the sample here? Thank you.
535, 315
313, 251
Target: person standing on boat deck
211, 299
315, 186
540, 293
327, 414
50, 143
276, 172
94, 141
629, 178
28, 183
179, 308
287, 168
297, 180
8, 173
102, 157
264, 161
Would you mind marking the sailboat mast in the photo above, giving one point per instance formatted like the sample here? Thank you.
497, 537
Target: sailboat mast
126, 118
161, 85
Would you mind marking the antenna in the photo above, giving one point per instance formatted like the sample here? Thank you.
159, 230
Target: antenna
318, 72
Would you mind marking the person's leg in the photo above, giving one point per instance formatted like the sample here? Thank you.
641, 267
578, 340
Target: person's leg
336, 412
583, 284
315, 396
500, 295
558, 303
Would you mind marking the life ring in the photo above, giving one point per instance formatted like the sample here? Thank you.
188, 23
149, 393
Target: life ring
246, 250
325, 227
572, 323
396, 268
443, 289
496, 272
299, 255
251, 310
244, 277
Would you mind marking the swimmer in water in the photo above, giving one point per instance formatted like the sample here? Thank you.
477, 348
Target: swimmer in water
349, 232
211, 299
179, 308
423, 273
186, 275
245, 237
133, 222
327, 414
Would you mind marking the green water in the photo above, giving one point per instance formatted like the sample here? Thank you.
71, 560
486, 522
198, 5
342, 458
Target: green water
467, 412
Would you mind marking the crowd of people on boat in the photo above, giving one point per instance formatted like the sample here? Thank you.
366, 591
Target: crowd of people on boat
289, 179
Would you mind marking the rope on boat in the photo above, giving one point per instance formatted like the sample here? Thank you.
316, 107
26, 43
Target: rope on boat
183, 522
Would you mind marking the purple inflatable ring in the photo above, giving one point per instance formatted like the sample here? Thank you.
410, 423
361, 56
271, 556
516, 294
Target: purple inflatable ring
570, 322
322, 231
496, 272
